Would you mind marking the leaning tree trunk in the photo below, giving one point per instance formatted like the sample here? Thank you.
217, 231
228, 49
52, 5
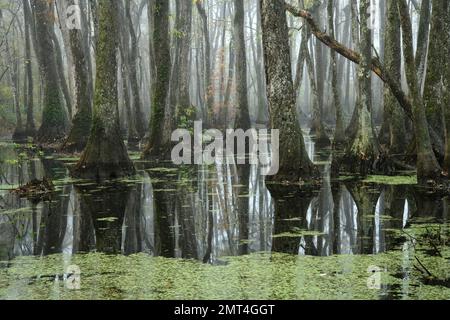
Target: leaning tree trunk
293, 158
105, 156
427, 166
422, 39
81, 125
160, 39
54, 118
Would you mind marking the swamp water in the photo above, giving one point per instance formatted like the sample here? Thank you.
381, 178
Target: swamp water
201, 233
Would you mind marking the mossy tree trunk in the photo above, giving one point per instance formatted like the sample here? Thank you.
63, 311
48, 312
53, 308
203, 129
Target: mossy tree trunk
432, 95
363, 151
105, 156
54, 118
293, 158
339, 132
446, 101
427, 166
156, 146
185, 113
393, 61
81, 125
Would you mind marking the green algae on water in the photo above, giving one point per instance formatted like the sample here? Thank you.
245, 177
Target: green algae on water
392, 180
255, 276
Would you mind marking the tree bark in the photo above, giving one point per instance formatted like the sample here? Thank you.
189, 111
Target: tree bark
242, 120
436, 58
160, 39
427, 166
208, 94
393, 61
339, 133
446, 95
81, 125
30, 126
54, 118
363, 151
422, 39
294, 161
133, 65
105, 156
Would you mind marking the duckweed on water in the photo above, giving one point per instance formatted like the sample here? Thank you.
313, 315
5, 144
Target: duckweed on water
256, 276
392, 180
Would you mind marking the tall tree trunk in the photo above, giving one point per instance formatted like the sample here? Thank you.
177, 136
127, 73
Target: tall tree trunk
339, 133
294, 161
207, 43
125, 69
353, 126
14, 78
105, 156
242, 113
81, 124
436, 58
393, 62
30, 126
363, 152
317, 126
133, 64
185, 111
427, 165
422, 40
61, 76
160, 39
446, 98
262, 116
54, 118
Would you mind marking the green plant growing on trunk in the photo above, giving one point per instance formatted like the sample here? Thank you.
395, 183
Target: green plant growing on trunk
105, 156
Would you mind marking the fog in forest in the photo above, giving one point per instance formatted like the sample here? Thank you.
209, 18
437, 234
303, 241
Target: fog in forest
232, 149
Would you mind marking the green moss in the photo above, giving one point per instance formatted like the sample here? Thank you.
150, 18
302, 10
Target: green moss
392, 180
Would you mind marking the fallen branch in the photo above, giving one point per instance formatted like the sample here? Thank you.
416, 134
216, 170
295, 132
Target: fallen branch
424, 268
